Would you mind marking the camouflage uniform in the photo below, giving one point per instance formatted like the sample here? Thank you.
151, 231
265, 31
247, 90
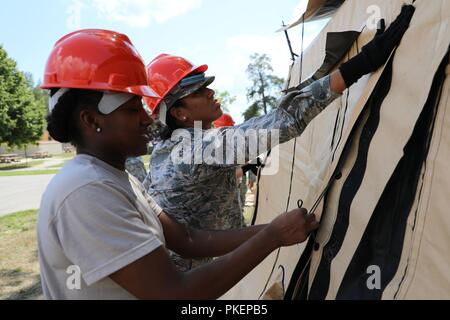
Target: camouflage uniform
136, 167
207, 196
243, 189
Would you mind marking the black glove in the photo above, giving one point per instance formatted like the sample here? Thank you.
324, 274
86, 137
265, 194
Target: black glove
377, 52
253, 167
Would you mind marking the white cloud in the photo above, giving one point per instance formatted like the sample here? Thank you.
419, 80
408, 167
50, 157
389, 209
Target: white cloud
274, 46
233, 61
141, 13
230, 67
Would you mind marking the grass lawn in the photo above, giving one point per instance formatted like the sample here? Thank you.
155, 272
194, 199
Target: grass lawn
19, 267
59, 166
146, 159
28, 173
248, 214
9, 166
69, 155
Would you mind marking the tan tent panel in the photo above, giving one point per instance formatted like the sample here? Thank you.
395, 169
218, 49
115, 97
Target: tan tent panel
315, 10
384, 126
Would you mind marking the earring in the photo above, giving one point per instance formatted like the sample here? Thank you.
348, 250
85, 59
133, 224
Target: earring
99, 130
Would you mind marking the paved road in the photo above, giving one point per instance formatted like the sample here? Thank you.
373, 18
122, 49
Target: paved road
21, 193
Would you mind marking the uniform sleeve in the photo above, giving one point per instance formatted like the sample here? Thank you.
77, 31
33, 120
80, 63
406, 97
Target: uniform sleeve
101, 231
295, 111
136, 167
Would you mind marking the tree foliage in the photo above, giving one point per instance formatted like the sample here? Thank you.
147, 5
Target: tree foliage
265, 85
226, 99
22, 107
251, 112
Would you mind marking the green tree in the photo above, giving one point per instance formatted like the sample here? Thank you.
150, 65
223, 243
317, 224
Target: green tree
226, 99
265, 85
22, 107
251, 112
41, 96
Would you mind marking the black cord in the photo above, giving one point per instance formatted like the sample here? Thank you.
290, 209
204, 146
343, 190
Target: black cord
293, 162
343, 121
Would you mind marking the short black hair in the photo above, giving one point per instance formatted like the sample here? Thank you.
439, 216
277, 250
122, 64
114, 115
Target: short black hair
62, 122
171, 122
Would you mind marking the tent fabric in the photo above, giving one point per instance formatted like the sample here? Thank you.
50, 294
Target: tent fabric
422, 265
385, 231
426, 251
319, 9
399, 114
351, 183
315, 10
337, 47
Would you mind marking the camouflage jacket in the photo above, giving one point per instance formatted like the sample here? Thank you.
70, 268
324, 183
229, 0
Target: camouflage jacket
207, 196
136, 167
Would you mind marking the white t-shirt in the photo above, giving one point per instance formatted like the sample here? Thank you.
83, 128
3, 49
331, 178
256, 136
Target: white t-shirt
94, 220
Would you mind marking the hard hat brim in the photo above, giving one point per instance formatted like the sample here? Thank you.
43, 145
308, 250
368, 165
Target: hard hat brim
183, 93
143, 91
201, 69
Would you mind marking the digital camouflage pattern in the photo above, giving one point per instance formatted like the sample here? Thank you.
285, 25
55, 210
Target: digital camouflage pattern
243, 189
207, 196
136, 167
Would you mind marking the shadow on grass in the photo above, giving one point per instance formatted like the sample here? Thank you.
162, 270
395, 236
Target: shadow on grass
15, 278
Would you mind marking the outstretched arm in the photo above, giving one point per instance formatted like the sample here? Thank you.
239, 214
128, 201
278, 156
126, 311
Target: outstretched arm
295, 110
156, 277
337, 83
194, 243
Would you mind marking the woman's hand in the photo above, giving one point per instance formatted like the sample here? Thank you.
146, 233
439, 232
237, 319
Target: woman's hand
156, 277
293, 227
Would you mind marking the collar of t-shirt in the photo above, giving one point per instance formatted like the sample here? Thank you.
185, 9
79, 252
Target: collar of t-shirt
104, 165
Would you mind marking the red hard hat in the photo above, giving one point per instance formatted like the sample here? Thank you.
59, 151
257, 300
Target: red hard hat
224, 121
165, 72
97, 60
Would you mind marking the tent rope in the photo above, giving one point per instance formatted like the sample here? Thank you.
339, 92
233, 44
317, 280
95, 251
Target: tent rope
293, 164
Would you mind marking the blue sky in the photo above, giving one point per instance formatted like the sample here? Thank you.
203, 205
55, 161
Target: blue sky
220, 33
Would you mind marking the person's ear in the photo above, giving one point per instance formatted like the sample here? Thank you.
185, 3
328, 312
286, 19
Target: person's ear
179, 114
91, 120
